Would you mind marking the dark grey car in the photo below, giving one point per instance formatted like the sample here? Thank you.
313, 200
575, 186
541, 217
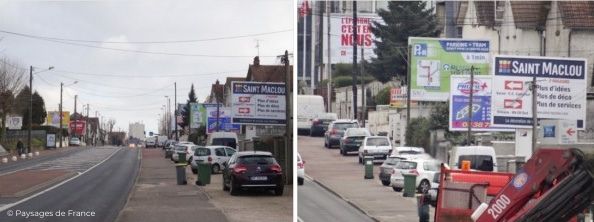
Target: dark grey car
336, 131
386, 169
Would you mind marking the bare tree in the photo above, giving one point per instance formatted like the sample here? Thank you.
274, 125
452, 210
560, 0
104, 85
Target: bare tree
12, 80
110, 124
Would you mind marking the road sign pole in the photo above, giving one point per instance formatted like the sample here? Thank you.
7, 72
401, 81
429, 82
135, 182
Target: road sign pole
470, 104
534, 114
408, 89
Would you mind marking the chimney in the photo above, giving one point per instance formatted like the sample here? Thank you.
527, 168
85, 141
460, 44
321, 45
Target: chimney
217, 82
256, 61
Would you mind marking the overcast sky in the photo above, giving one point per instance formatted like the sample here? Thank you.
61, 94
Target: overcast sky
131, 86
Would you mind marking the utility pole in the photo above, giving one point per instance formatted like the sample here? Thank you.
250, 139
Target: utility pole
288, 132
355, 42
75, 120
305, 9
329, 64
87, 125
534, 113
408, 86
30, 108
60, 123
168, 117
218, 111
470, 106
175, 103
363, 105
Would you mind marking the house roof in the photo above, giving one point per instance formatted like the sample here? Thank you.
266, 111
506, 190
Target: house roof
577, 14
485, 12
216, 90
530, 14
267, 73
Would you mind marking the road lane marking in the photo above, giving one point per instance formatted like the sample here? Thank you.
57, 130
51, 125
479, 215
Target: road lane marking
8, 206
299, 219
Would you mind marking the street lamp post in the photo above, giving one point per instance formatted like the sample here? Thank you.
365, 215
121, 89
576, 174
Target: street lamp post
61, 92
31, 105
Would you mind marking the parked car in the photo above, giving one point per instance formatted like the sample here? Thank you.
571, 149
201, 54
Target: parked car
352, 139
253, 170
336, 130
169, 149
481, 157
386, 169
223, 139
310, 107
215, 155
407, 152
300, 170
319, 126
425, 171
74, 141
377, 146
151, 142
188, 149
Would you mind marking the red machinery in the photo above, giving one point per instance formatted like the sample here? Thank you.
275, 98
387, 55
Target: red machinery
553, 185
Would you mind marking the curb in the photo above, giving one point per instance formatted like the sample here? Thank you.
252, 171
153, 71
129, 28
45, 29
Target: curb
345, 199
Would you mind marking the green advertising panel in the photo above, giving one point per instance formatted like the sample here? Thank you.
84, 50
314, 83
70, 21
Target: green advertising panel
434, 60
197, 115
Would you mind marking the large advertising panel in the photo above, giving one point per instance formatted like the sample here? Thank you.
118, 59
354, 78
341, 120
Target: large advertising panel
341, 26
53, 119
197, 115
561, 90
258, 103
77, 127
224, 118
434, 60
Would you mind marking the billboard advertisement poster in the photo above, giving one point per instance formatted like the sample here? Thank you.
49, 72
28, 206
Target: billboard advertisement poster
434, 60
561, 86
258, 103
53, 119
197, 115
398, 97
225, 124
481, 104
77, 127
51, 140
14, 122
341, 26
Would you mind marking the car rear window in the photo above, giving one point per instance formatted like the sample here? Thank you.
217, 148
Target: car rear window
409, 152
230, 142
406, 165
344, 126
180, 148
256, 159
431, 166
477, 162
378, 142
202, 152
392, 161
358, 132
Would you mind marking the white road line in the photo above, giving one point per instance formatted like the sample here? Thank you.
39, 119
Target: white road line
7, 206
299, 219
308, 178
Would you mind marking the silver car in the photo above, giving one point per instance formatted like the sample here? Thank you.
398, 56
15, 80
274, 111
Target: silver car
215, 155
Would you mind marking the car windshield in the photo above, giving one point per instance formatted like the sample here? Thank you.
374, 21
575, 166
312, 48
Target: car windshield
392, 161
256, 159
344, 126
406, 165
477, 162
378, 142
180, 148
325, 122
201, 151
230, 142
357, 132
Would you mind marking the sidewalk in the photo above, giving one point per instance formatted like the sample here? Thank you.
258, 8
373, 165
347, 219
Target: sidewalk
157, 197
24, 182
42, 153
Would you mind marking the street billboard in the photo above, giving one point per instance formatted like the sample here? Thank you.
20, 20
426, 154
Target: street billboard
561, 91
398, 97
14, 122
53, 119
258, 103
225, 124
341, 29
197, 115
481, 104
77, 127
434, 60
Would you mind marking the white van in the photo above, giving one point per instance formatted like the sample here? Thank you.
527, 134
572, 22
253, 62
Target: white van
222, 139
308, 108
481, 157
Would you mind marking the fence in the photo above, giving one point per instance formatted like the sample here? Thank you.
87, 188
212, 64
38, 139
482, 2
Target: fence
11, 137
276, 146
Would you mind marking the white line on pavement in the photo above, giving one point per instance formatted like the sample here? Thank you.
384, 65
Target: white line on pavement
7, 206
299, 219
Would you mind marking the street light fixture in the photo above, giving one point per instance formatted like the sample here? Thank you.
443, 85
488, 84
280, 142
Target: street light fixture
31, 104
60, 123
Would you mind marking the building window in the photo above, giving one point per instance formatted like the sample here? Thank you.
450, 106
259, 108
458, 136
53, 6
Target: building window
459, 32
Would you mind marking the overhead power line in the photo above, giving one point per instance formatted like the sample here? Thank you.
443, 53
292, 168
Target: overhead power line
146, 42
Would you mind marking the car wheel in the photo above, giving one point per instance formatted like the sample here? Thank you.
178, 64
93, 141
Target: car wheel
325, 143
225, 187
278, 191
233, 190
299, 181
385, 182
397, 189
360, 160
424, 187
194, 171
216, 168
342, 152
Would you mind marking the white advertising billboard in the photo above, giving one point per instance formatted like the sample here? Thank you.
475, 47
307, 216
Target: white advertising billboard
258, 103
561, 91
341, 34
14, 122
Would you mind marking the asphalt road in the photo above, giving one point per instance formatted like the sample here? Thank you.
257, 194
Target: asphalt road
317, 204
96, 195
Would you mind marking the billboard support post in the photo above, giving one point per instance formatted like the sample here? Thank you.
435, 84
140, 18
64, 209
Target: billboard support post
408, 87
355, 42
534, 114
470, 104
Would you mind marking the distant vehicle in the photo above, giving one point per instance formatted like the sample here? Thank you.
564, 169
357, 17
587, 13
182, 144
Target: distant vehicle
223, 139
300, 170
336, 130
215, 155
425, 170
386, 168
377, 146
151, 142
253, 170
188, 149
308, 109
169, 148
161, 140
408, 152
481, 157
352, 139
320, 125
74, 141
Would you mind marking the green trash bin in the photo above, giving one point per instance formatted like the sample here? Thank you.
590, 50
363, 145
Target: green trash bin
181, 158
410, 185
204, 170
368, 162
